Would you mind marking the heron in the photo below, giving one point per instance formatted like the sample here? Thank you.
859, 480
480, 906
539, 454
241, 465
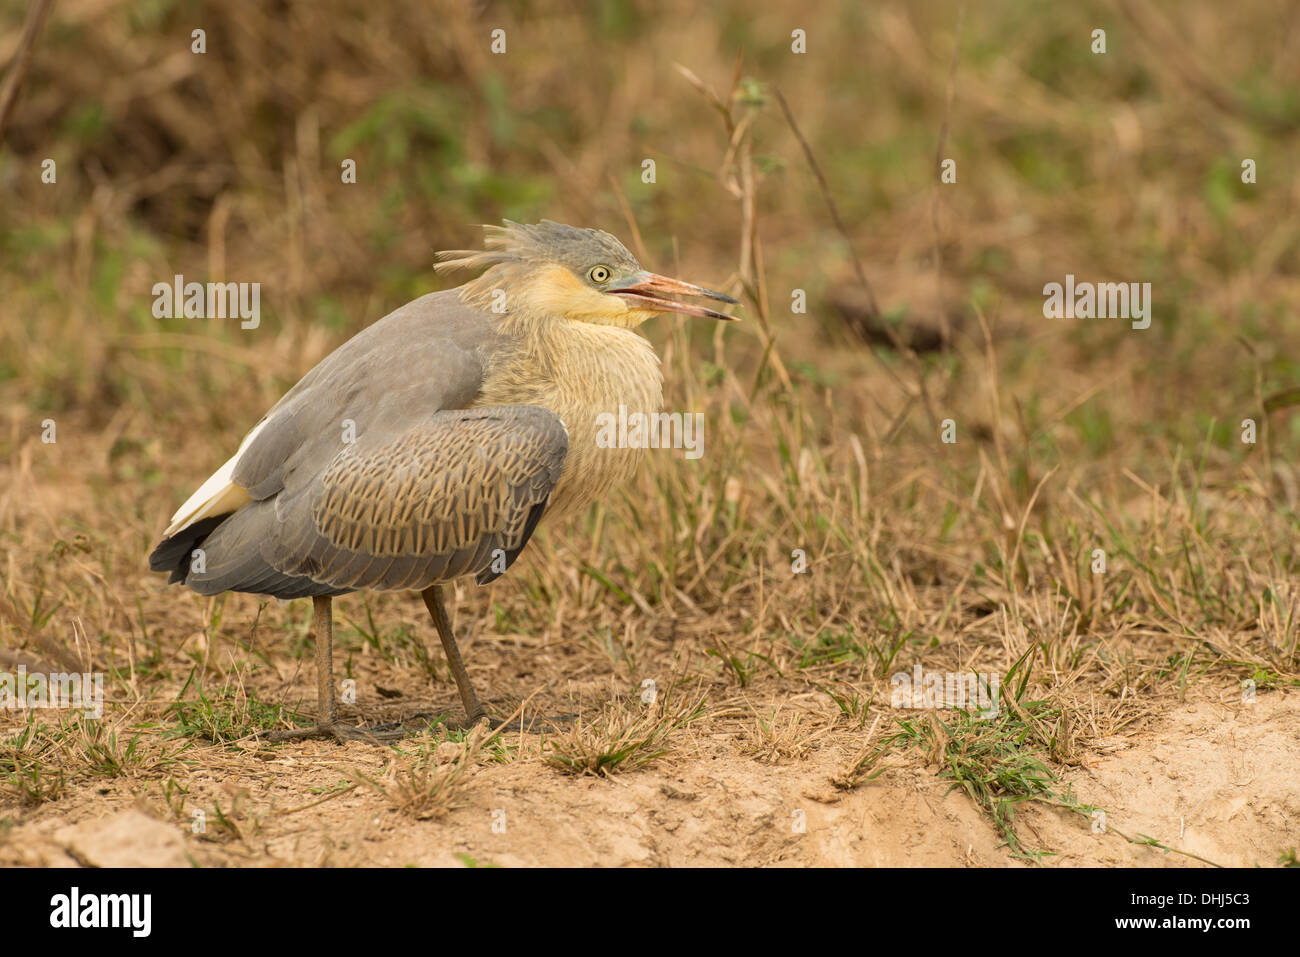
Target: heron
430, 445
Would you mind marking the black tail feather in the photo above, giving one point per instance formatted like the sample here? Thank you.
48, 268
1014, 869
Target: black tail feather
174, 554
251, 574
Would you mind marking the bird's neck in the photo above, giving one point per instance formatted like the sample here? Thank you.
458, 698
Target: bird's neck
582, 372
576, 364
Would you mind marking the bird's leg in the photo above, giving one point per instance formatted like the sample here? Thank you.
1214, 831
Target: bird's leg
473, 708
438, 612
327, 703
322, 626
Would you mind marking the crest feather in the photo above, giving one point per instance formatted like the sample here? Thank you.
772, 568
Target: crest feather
539, 242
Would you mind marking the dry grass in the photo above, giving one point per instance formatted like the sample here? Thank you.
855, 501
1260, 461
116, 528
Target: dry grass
779, 737
821, 452
430, 783
623, 737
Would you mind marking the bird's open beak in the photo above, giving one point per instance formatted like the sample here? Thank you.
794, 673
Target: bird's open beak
648, 291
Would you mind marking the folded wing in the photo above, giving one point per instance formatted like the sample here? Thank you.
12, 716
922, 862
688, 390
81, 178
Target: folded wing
373, 471
459, 494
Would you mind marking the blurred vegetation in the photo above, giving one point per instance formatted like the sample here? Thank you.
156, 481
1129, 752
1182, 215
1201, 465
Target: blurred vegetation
226, 165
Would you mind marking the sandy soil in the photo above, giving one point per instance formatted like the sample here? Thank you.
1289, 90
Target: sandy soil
1212, 778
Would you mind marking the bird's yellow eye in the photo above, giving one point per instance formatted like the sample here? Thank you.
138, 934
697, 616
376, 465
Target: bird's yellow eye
599, 275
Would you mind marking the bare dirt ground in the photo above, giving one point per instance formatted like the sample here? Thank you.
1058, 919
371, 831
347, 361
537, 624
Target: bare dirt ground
1209, 776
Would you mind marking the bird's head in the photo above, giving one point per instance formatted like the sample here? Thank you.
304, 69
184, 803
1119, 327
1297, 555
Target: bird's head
549, 271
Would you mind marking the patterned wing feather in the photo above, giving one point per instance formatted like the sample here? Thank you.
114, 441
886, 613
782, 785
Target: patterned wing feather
457, 494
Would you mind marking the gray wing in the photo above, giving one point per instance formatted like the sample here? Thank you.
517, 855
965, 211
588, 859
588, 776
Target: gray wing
427, 356
376, 419
457, 494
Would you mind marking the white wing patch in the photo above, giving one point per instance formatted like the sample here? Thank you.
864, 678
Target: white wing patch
217, 496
